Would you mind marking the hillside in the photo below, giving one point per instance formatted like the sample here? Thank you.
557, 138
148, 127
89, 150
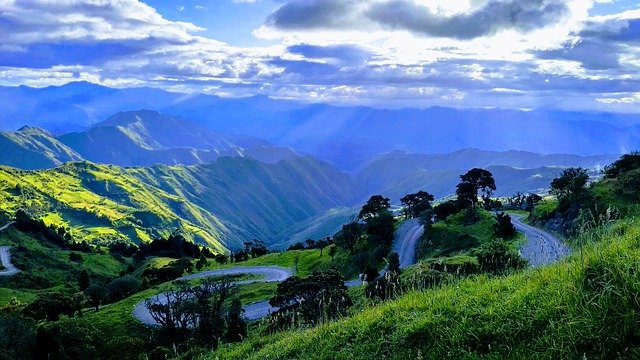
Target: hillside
33, 148
221, 204
584, 306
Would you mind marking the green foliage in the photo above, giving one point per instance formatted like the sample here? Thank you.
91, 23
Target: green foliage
503, 228
17, 337
312, 300
570, 183
416, 203
445, 209
455, 237
236, 324
374, 206
471, 183
497, 258
626, 163
584, 307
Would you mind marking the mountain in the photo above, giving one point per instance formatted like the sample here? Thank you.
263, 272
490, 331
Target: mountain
346, 136
222, 204
34, 148
397, 173
144, 137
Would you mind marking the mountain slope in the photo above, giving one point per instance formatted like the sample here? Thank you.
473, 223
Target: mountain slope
144, 137
34, 148
222, 204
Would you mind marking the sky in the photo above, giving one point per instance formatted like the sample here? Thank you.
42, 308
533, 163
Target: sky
524, 54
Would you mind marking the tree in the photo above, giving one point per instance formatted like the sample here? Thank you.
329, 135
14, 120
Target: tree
202, 262
474, 181
332, 252
221, 259
96, 295
236, 324
626, 163
83, 280
380, 230
122, 287
198, 309
50, 306
374, 206
443, 210
503, 228
417, 203
394, 262
17, 337
350, 235
571, 182
531, 201
322, 243
323, 295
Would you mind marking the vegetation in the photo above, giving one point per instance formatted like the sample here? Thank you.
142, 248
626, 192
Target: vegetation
582, 307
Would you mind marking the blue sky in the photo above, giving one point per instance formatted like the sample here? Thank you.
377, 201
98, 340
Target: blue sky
565, 54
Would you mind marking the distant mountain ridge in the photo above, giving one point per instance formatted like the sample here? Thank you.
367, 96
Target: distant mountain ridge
135, 138
346, 136
398, 172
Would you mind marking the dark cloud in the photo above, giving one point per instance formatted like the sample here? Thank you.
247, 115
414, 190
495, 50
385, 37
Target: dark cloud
522, 15
495, 15
313, 14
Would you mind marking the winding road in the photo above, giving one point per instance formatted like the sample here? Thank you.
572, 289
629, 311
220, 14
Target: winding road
5, 257
541, 248
406, 239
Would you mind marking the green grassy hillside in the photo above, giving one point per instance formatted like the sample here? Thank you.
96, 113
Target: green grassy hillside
221, 204
584, 307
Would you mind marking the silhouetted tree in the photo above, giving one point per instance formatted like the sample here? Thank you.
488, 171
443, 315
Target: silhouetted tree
349, 236
236, 324
96, 295
332, 252
394, 262
571, 182
374, 206
83, 280
503, 228
416, 203
474, 181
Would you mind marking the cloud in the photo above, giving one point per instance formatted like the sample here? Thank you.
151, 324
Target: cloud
602, 45
407, 15
524, 54
494, 16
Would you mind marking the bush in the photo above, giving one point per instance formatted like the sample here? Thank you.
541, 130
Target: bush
495, 257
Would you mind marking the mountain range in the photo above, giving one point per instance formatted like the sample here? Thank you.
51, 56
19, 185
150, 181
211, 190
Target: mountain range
345, 136
136, 138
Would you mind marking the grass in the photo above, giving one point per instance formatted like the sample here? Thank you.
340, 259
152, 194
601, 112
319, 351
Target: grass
46, 266
586, 306
454, 237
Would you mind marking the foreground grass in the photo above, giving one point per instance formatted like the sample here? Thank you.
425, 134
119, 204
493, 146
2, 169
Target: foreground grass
584, 307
